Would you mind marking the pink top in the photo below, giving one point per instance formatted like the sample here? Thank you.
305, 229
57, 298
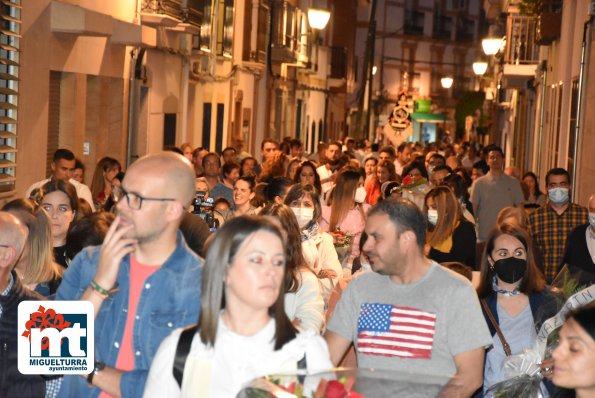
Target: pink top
138, 275
353, 224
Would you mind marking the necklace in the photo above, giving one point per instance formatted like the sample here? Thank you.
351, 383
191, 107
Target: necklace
498, 289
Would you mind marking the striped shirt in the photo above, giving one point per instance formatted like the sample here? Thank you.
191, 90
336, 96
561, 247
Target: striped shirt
7, 290
550, 231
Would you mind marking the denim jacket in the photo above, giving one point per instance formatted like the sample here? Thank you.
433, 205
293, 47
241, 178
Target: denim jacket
169, 300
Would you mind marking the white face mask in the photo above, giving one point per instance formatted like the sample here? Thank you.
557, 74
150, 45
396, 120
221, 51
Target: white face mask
432, 216
360, 195
303, 214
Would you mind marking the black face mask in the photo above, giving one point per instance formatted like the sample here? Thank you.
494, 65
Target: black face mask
511, 269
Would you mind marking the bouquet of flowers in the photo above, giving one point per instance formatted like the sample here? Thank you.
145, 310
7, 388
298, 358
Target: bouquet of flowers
342, 241
571, 289
344, 383
414, 189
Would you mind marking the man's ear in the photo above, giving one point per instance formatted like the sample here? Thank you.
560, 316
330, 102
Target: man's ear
53, 166
7, 257
175, 210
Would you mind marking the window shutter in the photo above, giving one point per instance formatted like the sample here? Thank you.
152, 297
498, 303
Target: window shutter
10, 28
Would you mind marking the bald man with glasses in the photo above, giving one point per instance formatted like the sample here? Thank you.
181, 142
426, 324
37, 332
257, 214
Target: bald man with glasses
143, 282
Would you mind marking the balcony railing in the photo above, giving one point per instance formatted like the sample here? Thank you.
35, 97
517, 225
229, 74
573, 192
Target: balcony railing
521, 46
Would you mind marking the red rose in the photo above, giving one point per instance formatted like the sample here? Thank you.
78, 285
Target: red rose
335, 389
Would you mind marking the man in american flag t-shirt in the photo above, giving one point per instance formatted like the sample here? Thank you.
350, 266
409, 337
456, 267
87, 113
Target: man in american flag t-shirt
392, 331
410, 315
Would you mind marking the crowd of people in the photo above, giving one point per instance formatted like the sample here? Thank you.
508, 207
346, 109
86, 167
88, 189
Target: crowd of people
206, 270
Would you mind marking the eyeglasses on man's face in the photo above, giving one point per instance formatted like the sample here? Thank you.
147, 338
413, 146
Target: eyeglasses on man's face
133, 200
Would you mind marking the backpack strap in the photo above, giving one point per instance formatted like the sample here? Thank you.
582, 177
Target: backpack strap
182, 351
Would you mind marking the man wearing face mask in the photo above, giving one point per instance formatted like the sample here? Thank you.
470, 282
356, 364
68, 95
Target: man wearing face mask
580, 247
550, 225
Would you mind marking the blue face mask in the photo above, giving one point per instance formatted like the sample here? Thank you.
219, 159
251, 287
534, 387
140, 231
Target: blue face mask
592, 220
558, 196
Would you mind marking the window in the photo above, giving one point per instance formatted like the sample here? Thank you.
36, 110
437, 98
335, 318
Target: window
10, 17
256, 23
225, 28
205, 27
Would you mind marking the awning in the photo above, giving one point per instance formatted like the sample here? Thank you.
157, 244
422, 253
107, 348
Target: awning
422, 117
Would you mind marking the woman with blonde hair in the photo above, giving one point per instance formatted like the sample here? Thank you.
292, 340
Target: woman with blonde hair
36, 267
449, 236
101, 187
346, 213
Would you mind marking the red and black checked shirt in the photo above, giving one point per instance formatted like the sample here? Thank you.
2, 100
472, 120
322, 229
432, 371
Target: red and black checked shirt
550, 231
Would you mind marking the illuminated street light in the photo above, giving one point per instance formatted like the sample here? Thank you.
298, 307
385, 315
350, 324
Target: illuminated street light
374, 70
491, 45
446, 82
479, 68
318, 18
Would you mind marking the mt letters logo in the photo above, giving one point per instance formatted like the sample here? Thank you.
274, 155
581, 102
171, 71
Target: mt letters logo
56, 337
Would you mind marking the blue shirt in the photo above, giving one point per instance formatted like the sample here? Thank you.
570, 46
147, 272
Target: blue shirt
169, 300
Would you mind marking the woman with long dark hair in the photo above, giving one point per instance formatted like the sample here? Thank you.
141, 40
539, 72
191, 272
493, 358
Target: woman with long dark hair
450, 236
317, 245
347, 212
512, 291
59, 199
242, 331
303, 301
101, 187
574, 358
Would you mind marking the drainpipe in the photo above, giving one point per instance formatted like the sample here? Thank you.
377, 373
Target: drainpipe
541, 113
184, 82
136, 63
579, 110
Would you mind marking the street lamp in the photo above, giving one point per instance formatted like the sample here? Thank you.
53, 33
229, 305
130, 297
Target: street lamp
374, 70
446, 82
491, 45
318, 18
479, 68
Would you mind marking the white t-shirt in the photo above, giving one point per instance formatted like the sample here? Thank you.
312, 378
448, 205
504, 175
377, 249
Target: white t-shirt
234, 361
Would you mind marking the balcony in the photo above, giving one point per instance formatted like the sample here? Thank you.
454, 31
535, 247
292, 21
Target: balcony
522, 52
521, 46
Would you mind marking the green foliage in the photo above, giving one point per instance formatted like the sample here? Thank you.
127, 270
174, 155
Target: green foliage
530, 7
467, 105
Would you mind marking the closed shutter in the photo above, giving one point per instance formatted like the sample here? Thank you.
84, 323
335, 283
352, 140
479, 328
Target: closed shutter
10, 28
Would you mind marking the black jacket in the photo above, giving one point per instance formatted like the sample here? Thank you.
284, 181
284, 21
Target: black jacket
12, 382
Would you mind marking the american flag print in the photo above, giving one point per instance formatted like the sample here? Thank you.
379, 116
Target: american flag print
392, 331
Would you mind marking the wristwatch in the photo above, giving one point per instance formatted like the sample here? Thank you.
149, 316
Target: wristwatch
99, 366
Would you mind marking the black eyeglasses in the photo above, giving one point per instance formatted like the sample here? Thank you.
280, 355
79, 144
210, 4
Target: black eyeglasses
134, 201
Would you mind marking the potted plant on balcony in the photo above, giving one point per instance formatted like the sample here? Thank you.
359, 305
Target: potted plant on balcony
549, 18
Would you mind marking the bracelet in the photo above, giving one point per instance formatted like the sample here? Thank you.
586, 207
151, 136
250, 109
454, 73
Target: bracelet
95, 286
105, 293
101, 296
